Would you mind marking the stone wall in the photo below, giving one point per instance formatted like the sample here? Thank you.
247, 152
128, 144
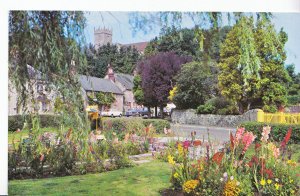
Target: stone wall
190, 117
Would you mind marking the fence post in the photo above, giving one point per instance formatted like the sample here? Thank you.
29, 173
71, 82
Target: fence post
260, 115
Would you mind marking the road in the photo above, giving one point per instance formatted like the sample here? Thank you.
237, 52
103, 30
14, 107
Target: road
215, 133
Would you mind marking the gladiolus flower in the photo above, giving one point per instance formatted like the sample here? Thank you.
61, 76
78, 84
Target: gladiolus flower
265, 133
247, 139
239, 134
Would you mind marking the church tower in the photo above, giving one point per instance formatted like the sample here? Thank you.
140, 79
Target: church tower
102, 37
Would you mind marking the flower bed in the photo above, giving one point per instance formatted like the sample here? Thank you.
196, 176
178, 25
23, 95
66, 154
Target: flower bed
232, 170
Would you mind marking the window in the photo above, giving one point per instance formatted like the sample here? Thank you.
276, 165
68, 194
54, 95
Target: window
39, 88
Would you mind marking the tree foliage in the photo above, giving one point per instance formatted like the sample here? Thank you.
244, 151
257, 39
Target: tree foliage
188, 42
123, 59
137, 90
101, 99
157, 73
50, 42
252, 65
195, 84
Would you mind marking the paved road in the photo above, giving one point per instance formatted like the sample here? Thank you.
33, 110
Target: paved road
216, 133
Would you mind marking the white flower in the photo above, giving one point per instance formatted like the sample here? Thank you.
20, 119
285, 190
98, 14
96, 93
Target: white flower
238, 183
231, 178
276, 179
225, 175
221, 179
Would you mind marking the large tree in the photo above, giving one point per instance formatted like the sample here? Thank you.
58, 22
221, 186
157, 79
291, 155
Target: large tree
188, 42
239, 65
122, 59
157, 74
195, 84
273, 76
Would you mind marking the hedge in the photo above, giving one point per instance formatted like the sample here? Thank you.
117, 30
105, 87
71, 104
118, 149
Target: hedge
17, 121
278, 131
132, 124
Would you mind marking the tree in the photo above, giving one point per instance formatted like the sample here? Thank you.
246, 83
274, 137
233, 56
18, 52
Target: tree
273, 76
123, 59
188, 42
101, 99
137, 90
194, 85
157, 73
293, 89
239, 65
50, 42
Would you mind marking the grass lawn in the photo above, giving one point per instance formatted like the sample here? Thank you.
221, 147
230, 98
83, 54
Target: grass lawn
145, 179
18, 136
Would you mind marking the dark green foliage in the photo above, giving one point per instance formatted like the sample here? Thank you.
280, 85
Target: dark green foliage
206, 109
278, 131
122, 60
46, 120
203, 45
293, 86
137, 90
196, 83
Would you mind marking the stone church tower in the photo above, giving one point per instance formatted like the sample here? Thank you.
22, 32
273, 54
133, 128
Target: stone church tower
102, 37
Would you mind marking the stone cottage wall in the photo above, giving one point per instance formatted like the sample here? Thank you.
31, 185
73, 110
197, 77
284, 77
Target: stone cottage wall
190, 117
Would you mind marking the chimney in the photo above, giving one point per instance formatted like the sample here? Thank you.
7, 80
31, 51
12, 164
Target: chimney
110, 73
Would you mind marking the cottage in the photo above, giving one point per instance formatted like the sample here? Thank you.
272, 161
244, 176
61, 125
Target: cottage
125, 83
91, 84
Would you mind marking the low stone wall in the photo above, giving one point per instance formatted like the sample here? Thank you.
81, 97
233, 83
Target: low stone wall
190, 117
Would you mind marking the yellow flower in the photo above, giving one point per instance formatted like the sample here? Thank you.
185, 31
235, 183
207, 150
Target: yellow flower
190, 185
276, 186
231, 188
176, 175
292, 191
269, 181
263, 182
180, 149
291, 163
291, 181
171, 160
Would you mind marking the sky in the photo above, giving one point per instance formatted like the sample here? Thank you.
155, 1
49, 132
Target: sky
123, 33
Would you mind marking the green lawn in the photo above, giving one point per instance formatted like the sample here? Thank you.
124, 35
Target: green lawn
18, 136
145, 179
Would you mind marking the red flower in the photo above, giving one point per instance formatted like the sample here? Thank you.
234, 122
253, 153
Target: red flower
217, 158
197, 143
42, 157
286, 138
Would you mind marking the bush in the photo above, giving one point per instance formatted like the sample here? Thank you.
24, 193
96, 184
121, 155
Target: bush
217, 105
158, 124
121, 126
293, 99
206, 109
278, 131
17, 121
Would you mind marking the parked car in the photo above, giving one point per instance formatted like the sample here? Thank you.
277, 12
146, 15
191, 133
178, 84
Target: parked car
111, 113
132, 112
144, 112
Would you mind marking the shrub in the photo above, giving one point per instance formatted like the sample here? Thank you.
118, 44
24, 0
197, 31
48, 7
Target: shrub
217, 105
278, 131
121, 126
206, 109
158, 124
17, 121
293, 99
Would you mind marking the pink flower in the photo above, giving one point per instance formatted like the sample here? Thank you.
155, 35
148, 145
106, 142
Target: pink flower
186, 144
247, 139
265, 133
239, 134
